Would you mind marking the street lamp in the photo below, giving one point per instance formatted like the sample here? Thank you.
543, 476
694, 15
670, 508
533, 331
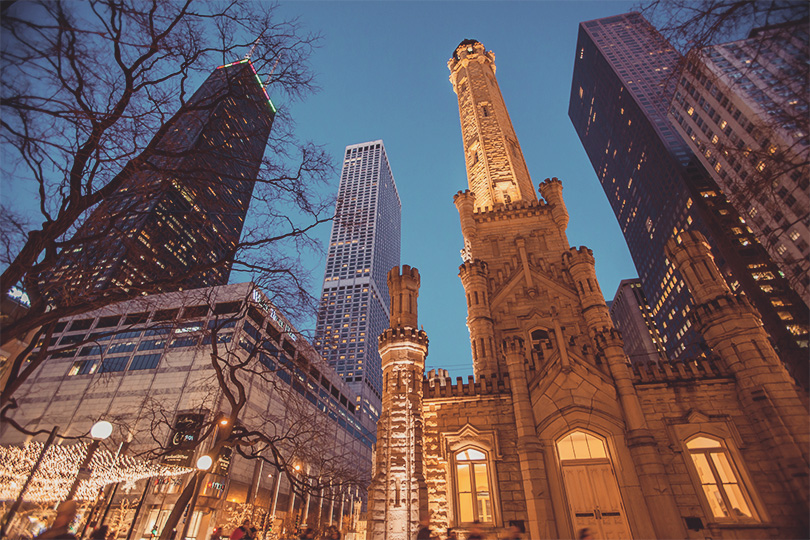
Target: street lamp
100, 431
203, 464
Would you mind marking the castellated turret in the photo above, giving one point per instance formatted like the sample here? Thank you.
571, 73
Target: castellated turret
581, 265
551, 190
404, 290
474, 276
733, 330
398, 492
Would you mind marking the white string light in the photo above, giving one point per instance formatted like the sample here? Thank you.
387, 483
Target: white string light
60, 467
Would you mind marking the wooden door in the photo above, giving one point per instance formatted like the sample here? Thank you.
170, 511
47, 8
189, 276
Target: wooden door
594, 499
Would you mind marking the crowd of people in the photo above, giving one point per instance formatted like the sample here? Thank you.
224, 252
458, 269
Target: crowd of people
66, 512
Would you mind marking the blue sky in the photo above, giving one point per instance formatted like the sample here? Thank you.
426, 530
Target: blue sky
382, 70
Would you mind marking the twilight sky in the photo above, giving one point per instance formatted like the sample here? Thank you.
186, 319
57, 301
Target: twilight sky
382, 70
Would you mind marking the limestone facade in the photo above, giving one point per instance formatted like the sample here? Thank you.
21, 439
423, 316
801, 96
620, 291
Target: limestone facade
557, 431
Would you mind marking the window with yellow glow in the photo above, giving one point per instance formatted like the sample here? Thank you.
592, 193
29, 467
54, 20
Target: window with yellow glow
581, 445
719, 480
472, 487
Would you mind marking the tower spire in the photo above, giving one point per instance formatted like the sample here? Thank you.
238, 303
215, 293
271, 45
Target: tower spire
496, 170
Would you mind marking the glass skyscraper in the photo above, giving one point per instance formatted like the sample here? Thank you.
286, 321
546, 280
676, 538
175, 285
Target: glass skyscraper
624, 72
363, 247
182, 203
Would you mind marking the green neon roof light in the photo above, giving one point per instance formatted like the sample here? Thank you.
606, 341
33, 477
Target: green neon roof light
258, 80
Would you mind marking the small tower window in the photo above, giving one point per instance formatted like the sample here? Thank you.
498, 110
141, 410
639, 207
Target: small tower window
484, 109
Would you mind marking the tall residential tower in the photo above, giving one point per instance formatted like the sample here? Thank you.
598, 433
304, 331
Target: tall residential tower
657, 188
363, 247
180, 209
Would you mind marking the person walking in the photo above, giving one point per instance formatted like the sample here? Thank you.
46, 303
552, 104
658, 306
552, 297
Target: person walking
59, 530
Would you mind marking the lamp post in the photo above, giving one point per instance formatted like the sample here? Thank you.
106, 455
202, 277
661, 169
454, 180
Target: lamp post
100, 431
203, 464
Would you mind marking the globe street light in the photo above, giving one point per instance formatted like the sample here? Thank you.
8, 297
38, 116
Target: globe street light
100, 431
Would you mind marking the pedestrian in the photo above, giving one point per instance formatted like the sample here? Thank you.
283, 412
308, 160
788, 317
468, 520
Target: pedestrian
451, 534
308, 534
100, 533
584, 534
65, 514
424, 529
242, 532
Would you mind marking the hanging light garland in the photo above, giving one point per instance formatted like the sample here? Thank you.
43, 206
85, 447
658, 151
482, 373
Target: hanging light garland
60, 467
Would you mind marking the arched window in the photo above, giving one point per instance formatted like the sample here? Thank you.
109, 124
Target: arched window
719, 479
472, 487
581, 445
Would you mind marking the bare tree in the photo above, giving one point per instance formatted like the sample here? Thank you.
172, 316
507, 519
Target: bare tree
87, 92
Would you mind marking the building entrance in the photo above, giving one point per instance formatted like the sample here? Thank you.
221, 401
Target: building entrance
593, 494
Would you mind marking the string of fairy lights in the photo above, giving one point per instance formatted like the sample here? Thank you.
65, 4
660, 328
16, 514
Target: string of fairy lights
60, 467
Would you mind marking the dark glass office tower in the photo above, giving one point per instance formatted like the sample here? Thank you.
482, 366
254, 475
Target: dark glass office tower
363, 247
179, 213
622, 84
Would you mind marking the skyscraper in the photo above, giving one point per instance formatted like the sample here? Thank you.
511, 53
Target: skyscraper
623, 72
180, 209
363, 247
631, 315
742, 108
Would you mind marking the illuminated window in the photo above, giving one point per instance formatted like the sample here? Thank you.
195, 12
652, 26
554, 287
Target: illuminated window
719, 480
472, 487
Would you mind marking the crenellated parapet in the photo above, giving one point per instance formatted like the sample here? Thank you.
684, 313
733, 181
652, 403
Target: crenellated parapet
513, 345
551, 189
503, 212
694, 369
393, 336
473, 269
723, 307
608, 337
467, 51
496, 384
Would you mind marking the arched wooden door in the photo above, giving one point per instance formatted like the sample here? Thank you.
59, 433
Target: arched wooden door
593, 494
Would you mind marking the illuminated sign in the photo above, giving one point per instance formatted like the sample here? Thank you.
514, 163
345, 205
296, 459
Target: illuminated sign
271, 311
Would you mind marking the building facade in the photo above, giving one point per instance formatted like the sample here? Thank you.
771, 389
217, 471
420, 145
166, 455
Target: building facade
363, 246
146, 366
179, 212
557, 431
657, 187
742, 108
632, 316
